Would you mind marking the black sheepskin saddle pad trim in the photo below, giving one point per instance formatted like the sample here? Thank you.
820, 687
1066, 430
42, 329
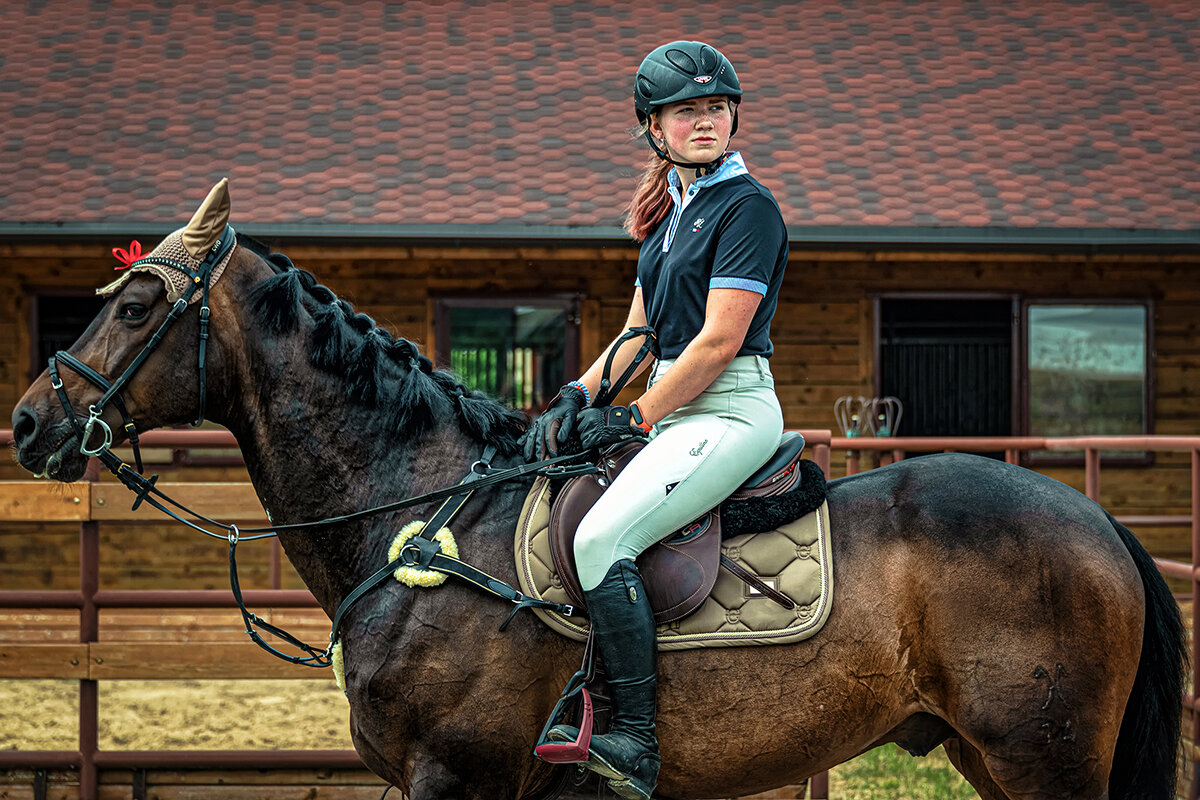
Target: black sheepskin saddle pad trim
762, 514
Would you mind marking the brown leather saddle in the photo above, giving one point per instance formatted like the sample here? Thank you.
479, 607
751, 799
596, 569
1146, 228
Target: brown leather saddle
679, 572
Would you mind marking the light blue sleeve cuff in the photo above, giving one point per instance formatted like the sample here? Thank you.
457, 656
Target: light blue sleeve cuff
739, 283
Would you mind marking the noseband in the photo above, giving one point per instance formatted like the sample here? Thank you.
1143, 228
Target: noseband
200, 279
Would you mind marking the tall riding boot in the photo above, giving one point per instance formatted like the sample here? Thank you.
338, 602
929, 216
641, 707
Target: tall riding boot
624, 626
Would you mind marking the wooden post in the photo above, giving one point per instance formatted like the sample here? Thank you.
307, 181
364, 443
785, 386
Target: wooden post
89, 632
1194, 788
1091, 473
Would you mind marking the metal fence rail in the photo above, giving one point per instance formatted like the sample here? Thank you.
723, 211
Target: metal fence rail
80, 661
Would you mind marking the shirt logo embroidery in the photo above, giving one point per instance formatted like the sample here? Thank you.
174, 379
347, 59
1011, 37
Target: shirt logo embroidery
697, 224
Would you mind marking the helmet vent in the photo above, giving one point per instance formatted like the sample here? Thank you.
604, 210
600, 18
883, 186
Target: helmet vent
682, 61
645, 86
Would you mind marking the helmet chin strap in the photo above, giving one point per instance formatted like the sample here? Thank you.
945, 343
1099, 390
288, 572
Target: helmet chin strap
702, 168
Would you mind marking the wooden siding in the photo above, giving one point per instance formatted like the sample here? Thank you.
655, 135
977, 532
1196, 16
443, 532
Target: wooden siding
823, 332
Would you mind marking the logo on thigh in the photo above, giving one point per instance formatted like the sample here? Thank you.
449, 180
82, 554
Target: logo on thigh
698, 449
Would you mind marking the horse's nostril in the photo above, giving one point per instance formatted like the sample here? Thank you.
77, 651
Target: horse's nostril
25, 426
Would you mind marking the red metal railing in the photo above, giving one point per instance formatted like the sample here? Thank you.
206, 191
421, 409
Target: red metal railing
89, 598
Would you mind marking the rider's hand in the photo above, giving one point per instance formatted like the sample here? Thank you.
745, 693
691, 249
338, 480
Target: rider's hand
553, 427
602, 427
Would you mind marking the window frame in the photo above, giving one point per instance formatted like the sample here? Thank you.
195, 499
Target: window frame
1129, 459
1020, 381
569, 303
1014, 344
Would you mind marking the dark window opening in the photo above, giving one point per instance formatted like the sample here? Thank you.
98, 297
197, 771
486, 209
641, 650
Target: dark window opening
949, 361
58, 321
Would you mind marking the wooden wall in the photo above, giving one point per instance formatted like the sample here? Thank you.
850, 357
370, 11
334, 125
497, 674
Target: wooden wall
823, 331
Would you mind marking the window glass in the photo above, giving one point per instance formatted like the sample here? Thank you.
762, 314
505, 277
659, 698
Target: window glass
1087, 370
513, 353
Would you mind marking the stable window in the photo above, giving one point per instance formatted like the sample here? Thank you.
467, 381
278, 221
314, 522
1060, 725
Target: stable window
1087, 370
517, 350
949, 361
58, 320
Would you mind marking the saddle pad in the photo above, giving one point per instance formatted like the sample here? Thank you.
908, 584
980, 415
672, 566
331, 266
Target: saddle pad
795, 559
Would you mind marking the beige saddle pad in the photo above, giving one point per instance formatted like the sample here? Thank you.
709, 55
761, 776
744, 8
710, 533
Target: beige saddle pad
795, 559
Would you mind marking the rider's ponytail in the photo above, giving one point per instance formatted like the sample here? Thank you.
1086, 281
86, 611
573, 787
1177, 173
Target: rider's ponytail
650, 201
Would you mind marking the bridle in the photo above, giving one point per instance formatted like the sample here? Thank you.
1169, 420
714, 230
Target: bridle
200, 280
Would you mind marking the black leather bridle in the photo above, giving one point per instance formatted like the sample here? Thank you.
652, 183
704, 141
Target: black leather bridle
200, 280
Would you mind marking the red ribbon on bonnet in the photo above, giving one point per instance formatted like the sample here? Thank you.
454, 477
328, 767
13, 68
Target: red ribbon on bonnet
127, 257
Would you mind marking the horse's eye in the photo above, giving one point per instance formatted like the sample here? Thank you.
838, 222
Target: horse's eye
132, 312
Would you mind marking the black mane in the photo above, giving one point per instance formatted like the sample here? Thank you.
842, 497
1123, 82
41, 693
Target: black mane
382, 372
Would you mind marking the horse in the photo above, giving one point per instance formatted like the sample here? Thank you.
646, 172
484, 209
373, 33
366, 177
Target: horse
978, 605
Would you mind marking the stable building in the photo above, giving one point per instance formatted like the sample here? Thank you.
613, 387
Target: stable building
992, 212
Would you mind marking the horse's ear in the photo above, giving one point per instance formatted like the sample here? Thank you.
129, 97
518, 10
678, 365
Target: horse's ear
208, 223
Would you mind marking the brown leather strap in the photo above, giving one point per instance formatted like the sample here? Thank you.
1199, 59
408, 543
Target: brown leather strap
749, 577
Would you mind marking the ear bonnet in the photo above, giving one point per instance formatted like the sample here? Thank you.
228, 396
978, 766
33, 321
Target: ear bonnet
188, 246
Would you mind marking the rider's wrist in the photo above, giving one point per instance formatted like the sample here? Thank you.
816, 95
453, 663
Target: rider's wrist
637, 419
581, 386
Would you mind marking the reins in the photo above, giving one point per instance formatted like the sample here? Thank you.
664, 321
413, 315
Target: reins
420, 551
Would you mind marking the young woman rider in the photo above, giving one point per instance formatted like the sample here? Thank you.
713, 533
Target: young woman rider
712, 260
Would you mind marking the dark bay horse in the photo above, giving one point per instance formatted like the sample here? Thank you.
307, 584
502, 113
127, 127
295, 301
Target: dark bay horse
978, 605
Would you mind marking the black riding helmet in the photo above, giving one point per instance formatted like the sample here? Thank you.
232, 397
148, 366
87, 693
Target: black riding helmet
683, 71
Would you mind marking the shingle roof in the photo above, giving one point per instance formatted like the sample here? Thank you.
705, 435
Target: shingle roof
1042, 114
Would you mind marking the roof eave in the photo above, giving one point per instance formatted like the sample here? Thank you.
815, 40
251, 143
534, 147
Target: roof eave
839, 237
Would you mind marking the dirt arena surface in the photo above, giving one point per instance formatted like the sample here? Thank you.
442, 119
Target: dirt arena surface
179, 715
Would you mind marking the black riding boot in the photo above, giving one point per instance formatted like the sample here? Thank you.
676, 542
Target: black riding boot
624, 624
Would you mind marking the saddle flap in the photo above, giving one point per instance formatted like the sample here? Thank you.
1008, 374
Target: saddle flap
679, 571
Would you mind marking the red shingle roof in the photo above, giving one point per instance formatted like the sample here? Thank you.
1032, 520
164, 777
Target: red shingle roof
1041, 114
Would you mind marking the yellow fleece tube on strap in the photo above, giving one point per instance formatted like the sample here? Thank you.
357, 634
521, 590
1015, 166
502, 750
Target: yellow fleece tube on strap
339, 665
410, 576
416, 576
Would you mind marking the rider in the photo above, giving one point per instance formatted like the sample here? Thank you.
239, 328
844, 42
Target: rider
713, 252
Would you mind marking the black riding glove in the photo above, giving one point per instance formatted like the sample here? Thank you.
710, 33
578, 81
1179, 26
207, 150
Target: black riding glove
602, 427
552, 428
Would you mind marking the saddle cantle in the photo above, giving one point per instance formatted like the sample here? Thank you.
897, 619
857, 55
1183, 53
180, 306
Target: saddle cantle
680, 571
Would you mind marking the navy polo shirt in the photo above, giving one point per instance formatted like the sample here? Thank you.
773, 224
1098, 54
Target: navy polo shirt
727, 234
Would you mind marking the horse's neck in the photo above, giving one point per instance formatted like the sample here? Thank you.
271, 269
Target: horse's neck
312, 453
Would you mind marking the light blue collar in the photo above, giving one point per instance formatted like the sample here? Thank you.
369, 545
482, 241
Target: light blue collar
731, 168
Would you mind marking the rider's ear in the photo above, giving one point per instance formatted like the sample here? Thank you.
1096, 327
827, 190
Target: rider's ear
209, 221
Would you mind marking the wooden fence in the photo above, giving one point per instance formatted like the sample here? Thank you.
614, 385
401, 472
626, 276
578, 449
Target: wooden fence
91, 503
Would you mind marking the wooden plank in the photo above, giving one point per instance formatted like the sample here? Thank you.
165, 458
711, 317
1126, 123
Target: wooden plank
43, 501
247, 777
174, 661
43, 660
224, 501
55, 791
259, 792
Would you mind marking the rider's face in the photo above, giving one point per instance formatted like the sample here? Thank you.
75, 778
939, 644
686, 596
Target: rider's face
695, 130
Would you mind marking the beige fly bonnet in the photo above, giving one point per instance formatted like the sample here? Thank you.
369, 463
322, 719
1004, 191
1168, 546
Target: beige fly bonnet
188, 246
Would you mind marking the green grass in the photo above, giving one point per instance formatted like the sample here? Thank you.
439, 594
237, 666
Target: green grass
889, 773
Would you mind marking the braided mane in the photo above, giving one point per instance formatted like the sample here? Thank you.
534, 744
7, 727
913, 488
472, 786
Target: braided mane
382, 372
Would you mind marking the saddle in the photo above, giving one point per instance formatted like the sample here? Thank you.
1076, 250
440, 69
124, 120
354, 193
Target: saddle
679, 572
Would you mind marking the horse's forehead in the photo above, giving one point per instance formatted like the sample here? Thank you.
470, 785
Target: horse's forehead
176, 282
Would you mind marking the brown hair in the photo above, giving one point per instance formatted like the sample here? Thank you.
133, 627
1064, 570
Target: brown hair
650, 201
